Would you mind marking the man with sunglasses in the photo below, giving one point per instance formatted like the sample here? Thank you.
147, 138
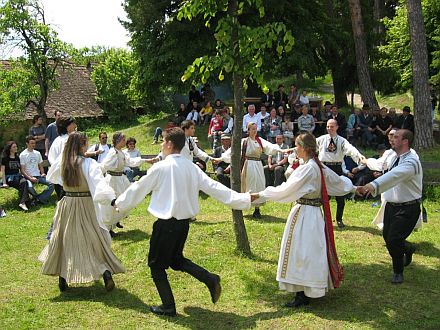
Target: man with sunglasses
100, 150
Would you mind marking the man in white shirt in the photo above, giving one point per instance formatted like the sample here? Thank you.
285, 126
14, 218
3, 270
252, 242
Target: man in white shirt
261, 116
331, 151
401, 189
175, 183
32, 168
251, 117
100, 150
191, 150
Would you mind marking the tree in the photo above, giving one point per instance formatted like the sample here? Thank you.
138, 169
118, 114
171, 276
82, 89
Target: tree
113, 77
23, 25
419, 54
364, 79
240, 50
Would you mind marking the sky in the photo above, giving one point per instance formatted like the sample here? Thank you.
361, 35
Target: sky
86, 23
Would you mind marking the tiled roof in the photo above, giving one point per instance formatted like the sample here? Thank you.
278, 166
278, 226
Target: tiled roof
75, 95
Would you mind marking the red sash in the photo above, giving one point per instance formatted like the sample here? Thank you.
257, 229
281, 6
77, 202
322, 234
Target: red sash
335, 268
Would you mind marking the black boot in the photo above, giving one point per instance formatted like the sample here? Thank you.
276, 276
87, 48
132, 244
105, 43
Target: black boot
300, 300
62, 284
212, 281
257, 214
410, 249
108, 281
168, 307
119, 225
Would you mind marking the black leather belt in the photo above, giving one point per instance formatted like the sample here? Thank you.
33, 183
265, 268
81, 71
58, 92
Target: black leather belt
77, 194
113, 173
313, 202
332, 163
415, 201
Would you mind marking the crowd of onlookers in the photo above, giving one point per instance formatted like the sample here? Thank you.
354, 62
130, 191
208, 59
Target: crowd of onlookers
26, 169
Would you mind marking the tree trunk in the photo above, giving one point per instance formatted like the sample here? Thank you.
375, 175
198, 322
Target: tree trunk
365, 85
422, 104
378, 9
339, 88
237, 216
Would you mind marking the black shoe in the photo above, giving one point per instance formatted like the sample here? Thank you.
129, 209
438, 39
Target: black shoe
300, 300
160, 310
108, 281
407, 258
119, 225
257, 214
215, 288
112, 233
340, 224
62, 284
397, 279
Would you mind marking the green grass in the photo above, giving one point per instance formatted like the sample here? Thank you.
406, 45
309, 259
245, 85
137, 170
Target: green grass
250, 297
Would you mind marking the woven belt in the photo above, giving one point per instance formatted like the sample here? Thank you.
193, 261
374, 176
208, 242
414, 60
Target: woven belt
78, 194
313, 202
415, 201
253, 158
115, 173
332, 163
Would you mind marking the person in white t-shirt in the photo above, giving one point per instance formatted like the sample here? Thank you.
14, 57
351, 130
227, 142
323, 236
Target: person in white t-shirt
32, 168
100, 150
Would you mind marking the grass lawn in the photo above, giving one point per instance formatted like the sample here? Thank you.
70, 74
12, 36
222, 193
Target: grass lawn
250, 297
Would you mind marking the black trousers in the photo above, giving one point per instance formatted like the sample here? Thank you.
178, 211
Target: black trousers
399, 222
222, 177
166, 250
340, 200
19, 182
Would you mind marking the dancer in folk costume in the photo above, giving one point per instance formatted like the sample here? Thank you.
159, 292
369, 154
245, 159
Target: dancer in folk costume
113, 166
252, 172
174, 184
308, 263
79, 248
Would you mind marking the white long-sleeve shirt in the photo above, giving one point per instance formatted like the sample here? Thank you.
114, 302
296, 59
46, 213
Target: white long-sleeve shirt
251, 119
175, 183
191, 150
56, 149
402, 183
343, 148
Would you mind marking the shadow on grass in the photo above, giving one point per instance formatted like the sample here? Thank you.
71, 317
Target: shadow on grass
427, 249
131, 236
118, 298
366, 296
369, 229
265, 218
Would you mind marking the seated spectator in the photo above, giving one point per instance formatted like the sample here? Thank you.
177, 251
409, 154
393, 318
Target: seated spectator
250, 117
306, 122
384, 124
262, 115
194, 95
196, 160
194, 114
31, 167
228, 121
218, 105
318, 117
365, 121
267, 99
222, 169
353, 128
296, 113
180, 115
132, 152
293, 96
12, 176
287, 129
327, 109
99, 150
406, 120
206, 113
281, 112
393, 116
280, 97
354, 171
215, 130
272, 126
276, 165
304, 99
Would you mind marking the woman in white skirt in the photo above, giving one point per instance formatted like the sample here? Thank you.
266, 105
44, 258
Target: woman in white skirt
79, 248
308, 264
252, 171
113, 166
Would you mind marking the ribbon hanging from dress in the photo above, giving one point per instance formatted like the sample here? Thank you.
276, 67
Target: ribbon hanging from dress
335, 268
